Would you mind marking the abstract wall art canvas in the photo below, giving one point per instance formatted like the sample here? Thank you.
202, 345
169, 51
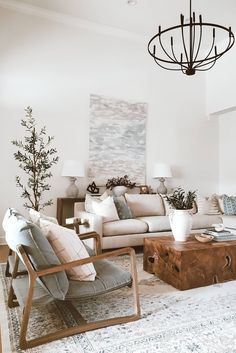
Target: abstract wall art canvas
117, 139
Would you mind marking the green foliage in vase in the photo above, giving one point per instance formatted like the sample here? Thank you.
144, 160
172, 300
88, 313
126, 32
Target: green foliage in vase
35, 157
181, 200
120, 181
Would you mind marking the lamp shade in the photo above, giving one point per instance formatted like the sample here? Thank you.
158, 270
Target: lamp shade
72, 168
162, 170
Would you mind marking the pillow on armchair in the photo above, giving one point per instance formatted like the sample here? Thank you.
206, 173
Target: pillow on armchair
68, 247
20, 231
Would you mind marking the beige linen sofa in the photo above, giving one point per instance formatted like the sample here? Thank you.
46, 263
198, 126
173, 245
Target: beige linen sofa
150, 218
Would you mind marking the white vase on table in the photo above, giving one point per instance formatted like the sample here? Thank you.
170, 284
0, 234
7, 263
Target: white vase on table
181, 224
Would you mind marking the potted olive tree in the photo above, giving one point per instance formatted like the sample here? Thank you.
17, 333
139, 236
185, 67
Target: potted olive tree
35, 157
181, 216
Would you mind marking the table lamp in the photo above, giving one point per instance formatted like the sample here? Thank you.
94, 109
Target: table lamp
162, 171
72, 169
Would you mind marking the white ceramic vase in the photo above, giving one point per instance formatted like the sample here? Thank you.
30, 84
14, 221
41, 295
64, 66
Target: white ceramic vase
181, 224
119, 190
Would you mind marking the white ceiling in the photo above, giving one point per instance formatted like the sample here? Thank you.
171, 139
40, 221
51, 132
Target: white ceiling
143, 18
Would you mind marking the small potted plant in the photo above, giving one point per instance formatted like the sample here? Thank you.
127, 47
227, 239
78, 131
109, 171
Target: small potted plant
181, 217
119, 185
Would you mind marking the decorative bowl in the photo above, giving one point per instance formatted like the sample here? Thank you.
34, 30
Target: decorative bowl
204, 238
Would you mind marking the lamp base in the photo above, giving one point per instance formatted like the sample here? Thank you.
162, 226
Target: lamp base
162, 188
72, 190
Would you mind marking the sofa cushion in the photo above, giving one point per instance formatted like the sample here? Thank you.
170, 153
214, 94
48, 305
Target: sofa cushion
208, 205
123, 210
162, 223
204, 221
68, 247
156, 223
229, 203
229, 221
126, 226
145, 204
106, 209
21, 231
88, 203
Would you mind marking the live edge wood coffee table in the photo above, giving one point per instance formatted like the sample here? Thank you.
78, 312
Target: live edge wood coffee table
190, 264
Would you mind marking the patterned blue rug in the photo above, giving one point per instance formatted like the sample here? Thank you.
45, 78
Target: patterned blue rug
200, 320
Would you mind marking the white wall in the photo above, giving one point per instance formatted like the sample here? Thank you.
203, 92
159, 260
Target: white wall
227, 148
54, 68
221, 82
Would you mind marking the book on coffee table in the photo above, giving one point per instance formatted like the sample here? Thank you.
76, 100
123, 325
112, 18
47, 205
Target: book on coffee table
223, 235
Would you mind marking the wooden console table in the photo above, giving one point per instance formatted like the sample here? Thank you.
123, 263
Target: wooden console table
65, 208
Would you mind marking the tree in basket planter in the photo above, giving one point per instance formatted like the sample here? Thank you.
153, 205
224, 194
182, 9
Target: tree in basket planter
35, 157
181, 217
119, 185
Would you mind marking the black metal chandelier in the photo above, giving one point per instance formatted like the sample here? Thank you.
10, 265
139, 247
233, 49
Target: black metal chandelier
190, 57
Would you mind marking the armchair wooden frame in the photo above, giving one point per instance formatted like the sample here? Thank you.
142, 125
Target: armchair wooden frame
84, 326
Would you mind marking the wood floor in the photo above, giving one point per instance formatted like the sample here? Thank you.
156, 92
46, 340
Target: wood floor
3, 253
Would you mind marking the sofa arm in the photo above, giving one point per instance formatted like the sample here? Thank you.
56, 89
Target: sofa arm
95, 224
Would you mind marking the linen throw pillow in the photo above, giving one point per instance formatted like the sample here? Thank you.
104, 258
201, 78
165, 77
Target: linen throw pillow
123, 210
68, 247
208, 205
106, 209
35, 217
21, 231
88, 206
142, 205
229, 203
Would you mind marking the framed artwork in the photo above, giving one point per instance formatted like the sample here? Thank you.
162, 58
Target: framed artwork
144, 189
117, 139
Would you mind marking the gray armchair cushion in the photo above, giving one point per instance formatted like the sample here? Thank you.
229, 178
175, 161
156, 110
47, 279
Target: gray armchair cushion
109, 277
20, 231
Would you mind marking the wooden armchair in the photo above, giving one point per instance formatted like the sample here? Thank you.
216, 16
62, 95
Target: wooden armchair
122, 279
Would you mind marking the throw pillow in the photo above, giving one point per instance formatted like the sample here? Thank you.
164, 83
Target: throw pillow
122, 208
208, 205
229, 203
142, 205
90, 199
106, 209
68, 247
36, 216
20, 231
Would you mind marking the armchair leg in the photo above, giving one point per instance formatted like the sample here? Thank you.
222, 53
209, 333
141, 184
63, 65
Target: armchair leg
7, 271
11, 295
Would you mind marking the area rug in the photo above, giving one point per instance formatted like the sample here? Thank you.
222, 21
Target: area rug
201, 320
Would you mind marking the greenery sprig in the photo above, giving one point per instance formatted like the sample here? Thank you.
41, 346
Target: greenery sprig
120, 181
180, 200
35, 158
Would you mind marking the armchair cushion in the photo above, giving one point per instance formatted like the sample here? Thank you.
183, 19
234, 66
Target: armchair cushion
68, 247
109, 277
21, 231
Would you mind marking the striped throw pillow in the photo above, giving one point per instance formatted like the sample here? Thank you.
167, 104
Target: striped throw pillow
208, 205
